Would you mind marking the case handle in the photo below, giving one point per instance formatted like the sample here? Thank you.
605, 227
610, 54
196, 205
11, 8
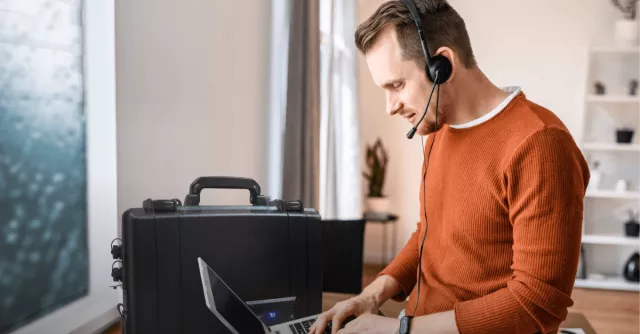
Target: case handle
224, 182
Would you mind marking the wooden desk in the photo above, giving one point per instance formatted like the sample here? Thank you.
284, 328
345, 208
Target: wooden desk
393, 308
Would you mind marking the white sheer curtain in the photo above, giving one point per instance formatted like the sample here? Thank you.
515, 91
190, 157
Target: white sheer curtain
340, 172
340, 177
294, 102
278, 73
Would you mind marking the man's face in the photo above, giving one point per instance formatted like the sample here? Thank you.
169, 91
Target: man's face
404, 82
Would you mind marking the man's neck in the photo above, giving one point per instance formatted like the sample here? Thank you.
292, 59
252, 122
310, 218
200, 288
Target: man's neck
476, 96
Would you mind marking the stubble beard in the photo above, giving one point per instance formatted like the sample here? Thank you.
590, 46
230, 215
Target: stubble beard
429, 125
441, 105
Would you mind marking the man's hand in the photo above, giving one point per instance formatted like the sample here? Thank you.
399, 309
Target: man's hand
355, 306
371, 324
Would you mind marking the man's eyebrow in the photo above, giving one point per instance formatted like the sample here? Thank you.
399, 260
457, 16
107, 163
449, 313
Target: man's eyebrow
391, 83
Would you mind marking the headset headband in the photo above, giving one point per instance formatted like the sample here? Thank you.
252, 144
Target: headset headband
416, 19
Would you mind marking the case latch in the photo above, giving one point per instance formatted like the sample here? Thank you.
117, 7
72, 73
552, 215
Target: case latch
288, 206
161, 205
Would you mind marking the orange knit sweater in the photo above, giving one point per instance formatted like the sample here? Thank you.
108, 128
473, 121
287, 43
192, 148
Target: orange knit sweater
504, 203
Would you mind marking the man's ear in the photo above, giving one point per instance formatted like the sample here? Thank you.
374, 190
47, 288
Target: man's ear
450, 54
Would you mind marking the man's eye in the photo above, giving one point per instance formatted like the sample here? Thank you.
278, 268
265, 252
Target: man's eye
398, 85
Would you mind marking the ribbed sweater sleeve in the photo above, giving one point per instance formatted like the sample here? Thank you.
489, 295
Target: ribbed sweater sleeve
545, 182
404, 267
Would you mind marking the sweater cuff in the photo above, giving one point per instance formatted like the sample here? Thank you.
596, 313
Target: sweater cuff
401, 272
498, 312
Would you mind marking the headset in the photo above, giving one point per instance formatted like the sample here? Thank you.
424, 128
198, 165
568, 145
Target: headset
438, 67
438, 70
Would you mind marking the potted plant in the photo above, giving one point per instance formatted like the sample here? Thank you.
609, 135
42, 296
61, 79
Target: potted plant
377, 203
624, 135
632, 226
626, 30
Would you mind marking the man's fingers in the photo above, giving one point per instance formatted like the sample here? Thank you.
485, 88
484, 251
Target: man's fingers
321, 322
317, 326
339, 317
321, 325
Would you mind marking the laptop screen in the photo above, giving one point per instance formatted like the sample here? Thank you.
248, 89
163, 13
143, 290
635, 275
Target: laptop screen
232, 308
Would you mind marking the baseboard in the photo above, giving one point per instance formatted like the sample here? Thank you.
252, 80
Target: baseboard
99, 324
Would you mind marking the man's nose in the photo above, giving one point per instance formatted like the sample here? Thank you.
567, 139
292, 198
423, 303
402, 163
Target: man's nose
393, 107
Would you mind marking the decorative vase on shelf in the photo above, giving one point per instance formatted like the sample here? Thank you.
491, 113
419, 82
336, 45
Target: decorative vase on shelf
599, 88
622, 185
626, 34
596, 177
624, 135
377, 205
632, 268
632, 227
633, 87
626, 29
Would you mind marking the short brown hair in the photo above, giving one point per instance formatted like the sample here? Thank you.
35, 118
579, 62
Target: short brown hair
442, 25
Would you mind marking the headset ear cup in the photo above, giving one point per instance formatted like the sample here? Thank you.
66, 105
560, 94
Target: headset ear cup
428, 71
442, 66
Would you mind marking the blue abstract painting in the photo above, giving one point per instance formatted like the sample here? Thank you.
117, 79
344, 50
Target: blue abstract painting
43, 179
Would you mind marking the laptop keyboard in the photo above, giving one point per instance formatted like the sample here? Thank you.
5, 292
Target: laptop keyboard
303, 327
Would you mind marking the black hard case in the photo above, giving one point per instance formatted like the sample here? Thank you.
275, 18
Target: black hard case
263, 251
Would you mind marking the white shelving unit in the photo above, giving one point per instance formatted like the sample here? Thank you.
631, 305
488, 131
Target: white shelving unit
612, 194
605, 247
610, 283
613, 99
610, 240
611, 147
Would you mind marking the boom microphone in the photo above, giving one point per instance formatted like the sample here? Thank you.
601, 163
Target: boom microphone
413, 130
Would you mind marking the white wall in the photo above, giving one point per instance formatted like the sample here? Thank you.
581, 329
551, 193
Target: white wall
539, 45
99, 306
192, 96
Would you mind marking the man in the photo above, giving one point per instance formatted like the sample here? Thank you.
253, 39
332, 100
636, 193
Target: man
503, 190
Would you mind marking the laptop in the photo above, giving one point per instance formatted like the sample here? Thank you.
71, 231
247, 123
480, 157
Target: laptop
236, 315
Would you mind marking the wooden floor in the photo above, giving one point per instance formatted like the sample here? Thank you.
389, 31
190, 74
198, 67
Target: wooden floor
609, 312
